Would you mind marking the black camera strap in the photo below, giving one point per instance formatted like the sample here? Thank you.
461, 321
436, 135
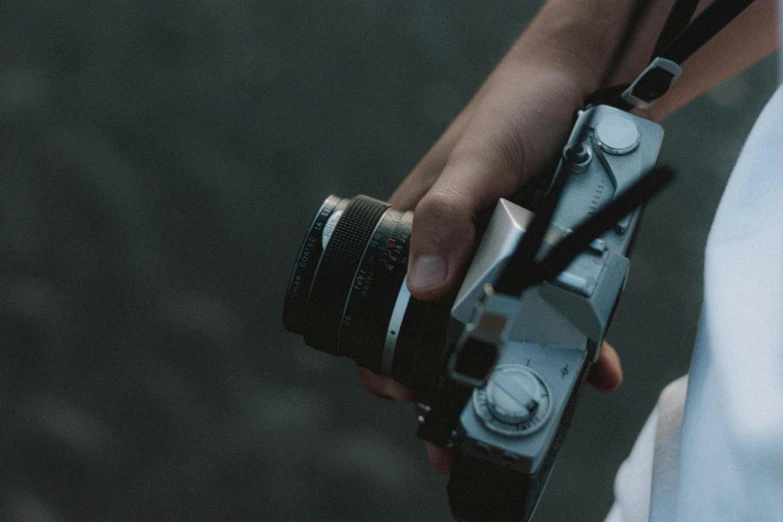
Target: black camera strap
678, 20
679, 39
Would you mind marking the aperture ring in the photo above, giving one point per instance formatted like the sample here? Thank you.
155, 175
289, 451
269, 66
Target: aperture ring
374, 290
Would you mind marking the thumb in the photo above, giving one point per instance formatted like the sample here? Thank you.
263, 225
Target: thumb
477, 173
513, 132
441, 242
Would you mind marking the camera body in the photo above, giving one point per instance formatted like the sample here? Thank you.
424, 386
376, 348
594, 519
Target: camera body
511, 429
505, 416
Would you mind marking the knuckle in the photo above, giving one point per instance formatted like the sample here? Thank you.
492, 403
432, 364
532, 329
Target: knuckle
510, 146
442, 205
375, 384
500, 154
372, 388
383, 387
512, 150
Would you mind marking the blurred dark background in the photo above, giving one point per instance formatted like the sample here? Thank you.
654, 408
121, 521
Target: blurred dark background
160, 161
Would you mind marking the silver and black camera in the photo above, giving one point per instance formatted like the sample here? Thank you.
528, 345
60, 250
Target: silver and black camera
502, 361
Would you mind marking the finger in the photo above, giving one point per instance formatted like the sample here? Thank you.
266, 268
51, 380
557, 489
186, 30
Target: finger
606, 374
420, 180
426, 172
385, 387
475, 176
500, 148
439, 458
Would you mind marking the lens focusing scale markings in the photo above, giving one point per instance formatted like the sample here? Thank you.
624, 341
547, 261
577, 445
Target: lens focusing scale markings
306, 265
374, 291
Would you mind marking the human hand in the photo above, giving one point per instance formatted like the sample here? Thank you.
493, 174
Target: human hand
515, 125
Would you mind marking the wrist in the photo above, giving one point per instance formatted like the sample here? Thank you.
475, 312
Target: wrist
549, 43
568, 77
584, 36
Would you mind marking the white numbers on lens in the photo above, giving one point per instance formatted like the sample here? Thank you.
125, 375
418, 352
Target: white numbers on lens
331, 223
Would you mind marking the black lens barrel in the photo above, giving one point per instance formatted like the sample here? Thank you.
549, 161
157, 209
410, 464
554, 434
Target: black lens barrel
336, 271
295, 308
346, 284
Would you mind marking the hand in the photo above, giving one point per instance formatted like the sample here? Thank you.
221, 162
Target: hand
516, 124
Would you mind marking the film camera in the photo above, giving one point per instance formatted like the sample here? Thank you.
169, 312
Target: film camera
503, 360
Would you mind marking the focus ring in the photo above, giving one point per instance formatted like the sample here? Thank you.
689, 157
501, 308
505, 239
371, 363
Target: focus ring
336, 271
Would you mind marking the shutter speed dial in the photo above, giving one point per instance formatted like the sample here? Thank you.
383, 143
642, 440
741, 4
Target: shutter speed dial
515, 402
617, 135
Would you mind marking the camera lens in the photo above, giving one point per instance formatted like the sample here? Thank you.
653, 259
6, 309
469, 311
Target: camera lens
299, 287
348, 296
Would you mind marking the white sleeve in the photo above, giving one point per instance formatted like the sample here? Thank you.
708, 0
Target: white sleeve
632, 483
717, 455
646, 484
731, 461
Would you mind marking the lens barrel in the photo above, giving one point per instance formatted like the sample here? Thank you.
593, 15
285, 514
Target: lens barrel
347, 295
295, 309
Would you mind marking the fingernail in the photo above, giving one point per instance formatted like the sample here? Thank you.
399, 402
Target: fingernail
427, 271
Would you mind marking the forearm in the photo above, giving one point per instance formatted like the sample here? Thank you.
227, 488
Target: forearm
748, 39
586, 33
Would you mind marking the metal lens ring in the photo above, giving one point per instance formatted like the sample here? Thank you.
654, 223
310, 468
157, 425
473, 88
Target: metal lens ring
294, 311
375, 290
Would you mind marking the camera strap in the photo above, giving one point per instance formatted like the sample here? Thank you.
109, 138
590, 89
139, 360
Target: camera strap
678, 40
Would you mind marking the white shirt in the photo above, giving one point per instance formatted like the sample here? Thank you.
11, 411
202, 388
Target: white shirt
712, 449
